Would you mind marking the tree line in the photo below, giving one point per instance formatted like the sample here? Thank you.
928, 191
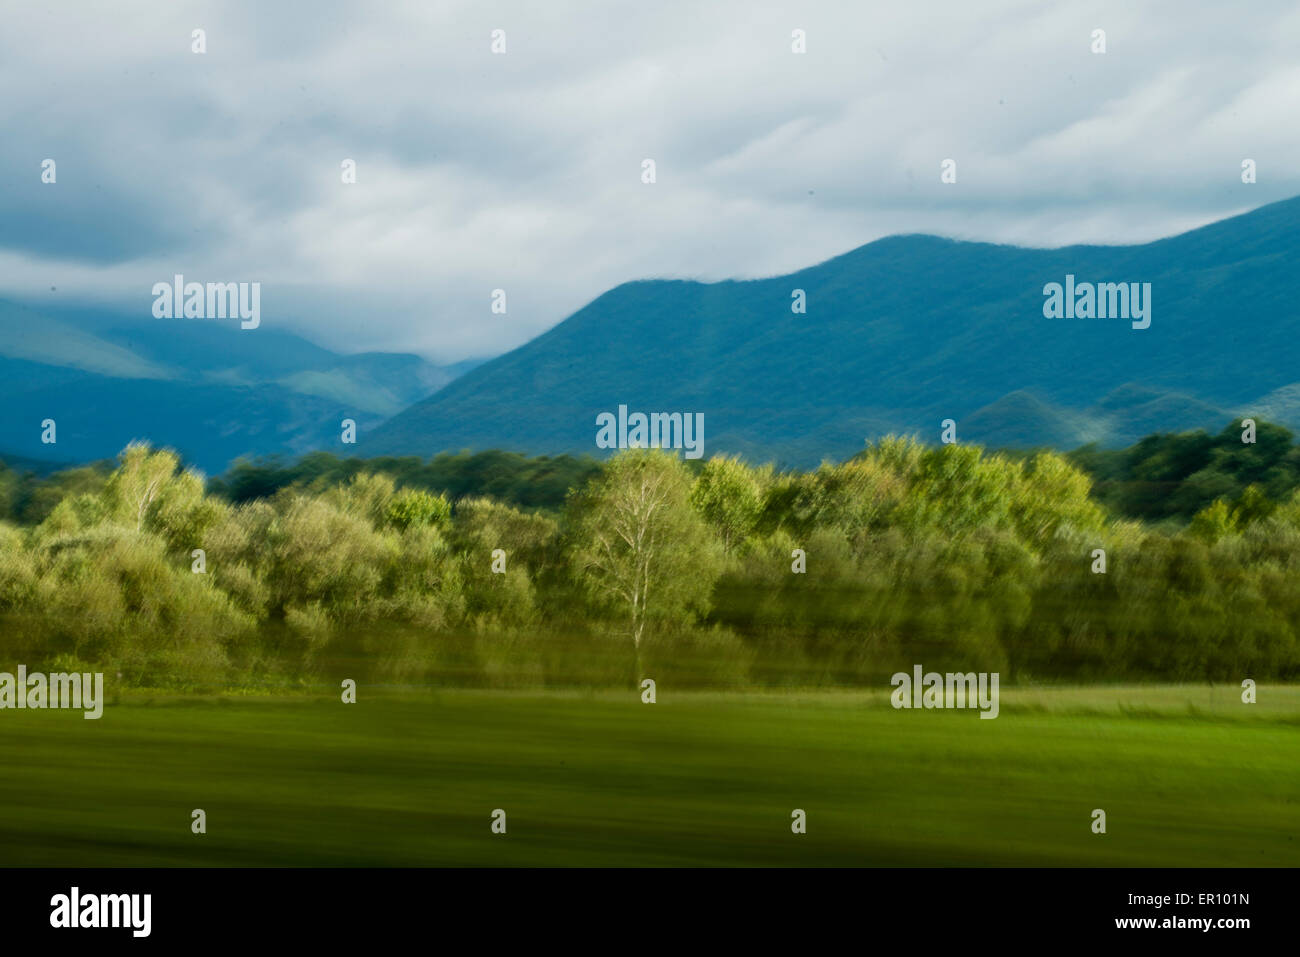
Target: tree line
479, 570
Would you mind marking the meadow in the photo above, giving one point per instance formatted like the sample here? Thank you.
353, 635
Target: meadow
1188, 776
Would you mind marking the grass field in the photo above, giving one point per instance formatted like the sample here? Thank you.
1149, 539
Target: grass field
1187, 776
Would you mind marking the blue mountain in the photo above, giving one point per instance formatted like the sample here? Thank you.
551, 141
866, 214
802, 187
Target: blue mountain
209, 390
899, 335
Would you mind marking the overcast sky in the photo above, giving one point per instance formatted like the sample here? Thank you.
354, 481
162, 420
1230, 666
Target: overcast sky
522, 171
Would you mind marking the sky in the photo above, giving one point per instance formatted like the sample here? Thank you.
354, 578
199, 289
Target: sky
523, 170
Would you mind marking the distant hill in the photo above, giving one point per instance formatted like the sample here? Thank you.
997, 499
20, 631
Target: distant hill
899, 335
210, 390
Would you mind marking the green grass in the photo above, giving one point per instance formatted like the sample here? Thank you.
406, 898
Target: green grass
1186, 775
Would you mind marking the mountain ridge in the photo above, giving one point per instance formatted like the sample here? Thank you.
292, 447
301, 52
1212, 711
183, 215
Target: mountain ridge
899, 334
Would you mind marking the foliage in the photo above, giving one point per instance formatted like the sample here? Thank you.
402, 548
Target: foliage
1174, 476
710, 574
638, 546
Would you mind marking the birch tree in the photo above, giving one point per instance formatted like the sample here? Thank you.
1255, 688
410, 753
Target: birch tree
638, 546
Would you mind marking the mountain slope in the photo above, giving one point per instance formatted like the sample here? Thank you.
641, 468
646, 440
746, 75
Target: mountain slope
900, 334
211, 391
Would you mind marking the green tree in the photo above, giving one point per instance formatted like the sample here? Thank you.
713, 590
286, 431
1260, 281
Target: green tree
1053, 497
481, 527
729, 494
138, 482
412, 508
1252, 505
639, 546
957, 489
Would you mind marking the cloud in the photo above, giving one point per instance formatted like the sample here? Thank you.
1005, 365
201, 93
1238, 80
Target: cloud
522, 171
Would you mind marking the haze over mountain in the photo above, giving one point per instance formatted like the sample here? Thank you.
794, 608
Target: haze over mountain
208, 389
900, 334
